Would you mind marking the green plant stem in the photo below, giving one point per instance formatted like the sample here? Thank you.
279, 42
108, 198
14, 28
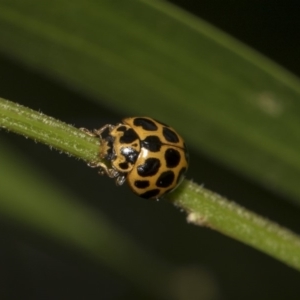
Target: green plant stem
204, 207
47, 130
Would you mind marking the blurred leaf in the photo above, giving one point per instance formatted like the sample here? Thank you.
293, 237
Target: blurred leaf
150, 58
28, 196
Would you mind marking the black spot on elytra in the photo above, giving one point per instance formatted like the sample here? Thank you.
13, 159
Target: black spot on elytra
141, 184
170, 135
123, 165
146, 124
150, 194
165, 179
149, 168
152, 143
130, 154
172, 158
121, 128
129, 136
181, 174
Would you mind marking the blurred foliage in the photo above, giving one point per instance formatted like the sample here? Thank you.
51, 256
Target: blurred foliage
93, 62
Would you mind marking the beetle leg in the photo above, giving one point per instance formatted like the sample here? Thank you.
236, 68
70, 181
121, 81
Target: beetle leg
120, 179
112, 173
99, 131
88, 132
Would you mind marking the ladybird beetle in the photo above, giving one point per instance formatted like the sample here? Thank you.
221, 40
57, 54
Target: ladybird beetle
150, 155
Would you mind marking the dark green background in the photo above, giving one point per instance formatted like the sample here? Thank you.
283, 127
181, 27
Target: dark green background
34, 267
